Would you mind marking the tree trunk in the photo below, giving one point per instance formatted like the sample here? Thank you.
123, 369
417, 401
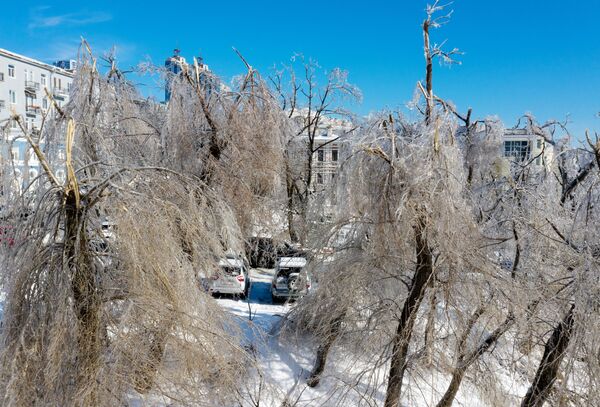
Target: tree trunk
453, 387
554, 352
86, 299
289, 181
428, 73
429, 327
323, 351
421, 280
466, 359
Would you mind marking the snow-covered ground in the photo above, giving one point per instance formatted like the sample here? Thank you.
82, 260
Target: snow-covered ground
284, 363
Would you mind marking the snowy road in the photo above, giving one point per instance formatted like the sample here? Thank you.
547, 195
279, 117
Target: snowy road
283, 368
259, 308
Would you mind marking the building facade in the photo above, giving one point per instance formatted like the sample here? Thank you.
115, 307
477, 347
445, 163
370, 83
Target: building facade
24, 86
522, 146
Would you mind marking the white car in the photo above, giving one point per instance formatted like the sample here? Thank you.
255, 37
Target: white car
231, 278
290, 280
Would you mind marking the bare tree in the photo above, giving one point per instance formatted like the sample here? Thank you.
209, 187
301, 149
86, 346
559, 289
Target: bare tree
94, 318
309, 105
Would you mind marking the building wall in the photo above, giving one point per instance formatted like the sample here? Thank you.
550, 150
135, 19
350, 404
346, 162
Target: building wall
519, 146
325, 162
23, 82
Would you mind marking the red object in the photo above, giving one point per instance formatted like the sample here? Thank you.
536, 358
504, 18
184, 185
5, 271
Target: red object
7, 236
240, 278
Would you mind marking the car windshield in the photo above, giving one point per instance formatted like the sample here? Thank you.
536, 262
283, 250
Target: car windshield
231, 271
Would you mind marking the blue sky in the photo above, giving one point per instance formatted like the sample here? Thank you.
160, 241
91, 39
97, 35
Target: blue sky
532, 56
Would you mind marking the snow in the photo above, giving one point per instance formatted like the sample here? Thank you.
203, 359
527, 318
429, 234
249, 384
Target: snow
285, 362
292, 262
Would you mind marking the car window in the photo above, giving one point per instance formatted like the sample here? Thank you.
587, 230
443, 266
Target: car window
288, 270
231, 271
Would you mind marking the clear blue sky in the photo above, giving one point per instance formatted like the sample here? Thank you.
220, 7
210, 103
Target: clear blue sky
520, 56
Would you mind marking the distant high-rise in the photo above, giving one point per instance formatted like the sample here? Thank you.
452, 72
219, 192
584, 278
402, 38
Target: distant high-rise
174, 65
67, 64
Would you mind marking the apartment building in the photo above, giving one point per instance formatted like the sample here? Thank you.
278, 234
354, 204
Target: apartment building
24, 86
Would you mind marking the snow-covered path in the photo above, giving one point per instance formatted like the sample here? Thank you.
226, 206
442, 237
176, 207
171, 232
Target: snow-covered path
284, 362
259, 310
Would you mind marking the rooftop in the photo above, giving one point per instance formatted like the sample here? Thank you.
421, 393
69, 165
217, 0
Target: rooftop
35, 62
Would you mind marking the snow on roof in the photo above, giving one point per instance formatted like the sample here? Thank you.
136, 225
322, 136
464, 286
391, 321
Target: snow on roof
292, 262
230, 262
32, 61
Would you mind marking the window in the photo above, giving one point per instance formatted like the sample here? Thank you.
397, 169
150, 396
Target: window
15, 155
12, 96
29, 124
321, 155
44, 103
13, 124
11, 71
319, 178
1, 76
519, 150
334, 155
539, 143
43, 79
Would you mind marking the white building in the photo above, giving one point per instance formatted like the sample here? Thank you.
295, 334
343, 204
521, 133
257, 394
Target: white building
23, 85
523, 146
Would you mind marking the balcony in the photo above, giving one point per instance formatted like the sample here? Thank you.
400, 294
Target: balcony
32, 86
60, 92
32, 110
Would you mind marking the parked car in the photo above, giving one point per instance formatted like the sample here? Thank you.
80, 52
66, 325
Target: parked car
290, 280
230, 278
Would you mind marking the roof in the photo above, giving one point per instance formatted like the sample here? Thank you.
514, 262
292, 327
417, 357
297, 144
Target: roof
231, 263
292, 262
35, 62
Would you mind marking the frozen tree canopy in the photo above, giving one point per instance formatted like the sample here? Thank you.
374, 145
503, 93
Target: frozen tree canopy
439, 271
